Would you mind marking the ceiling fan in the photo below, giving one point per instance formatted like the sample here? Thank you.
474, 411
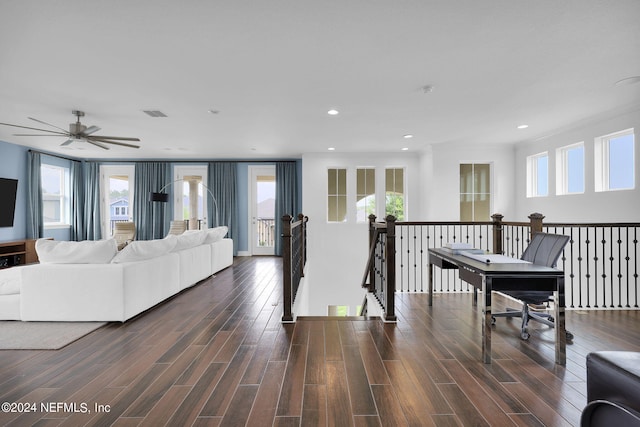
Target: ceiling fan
78, 132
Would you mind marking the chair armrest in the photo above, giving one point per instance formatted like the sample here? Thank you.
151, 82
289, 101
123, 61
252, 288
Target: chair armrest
604, 413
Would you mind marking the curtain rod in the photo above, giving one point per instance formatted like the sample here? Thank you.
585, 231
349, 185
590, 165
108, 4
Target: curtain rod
56, 155
59, 156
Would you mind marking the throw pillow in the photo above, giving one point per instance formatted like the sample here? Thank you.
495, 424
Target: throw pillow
140, 250
216, 234
84, 252
189, 239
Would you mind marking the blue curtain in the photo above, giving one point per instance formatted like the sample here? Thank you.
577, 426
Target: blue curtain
286, 198
34, 196
92, 216
77, 231
223, 183
85, 201
151, 218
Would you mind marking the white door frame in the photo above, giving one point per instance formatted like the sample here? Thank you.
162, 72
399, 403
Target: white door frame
254, 172
105, 172
179, 172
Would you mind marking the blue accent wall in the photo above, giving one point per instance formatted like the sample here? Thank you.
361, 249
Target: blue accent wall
13, 164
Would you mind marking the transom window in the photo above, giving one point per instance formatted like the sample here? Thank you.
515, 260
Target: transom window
614, 157
475, 191
570, 169
538, 175
365, 193
336, 195
394, 193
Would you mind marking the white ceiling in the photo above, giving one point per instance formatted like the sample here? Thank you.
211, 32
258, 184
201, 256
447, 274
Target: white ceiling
273, 68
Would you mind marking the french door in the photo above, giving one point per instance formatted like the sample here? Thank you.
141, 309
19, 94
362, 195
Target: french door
191, 195
116, 196
262, 203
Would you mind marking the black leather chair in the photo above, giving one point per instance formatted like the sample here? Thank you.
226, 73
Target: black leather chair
544, 249
613, 389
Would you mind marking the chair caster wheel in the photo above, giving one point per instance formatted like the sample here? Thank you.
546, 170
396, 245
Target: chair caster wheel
524, 335
569, 336
551, 319
493, 320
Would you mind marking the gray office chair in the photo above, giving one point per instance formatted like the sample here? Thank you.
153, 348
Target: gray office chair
544, 249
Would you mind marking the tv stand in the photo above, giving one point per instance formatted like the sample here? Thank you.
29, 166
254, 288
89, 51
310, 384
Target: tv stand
19, 252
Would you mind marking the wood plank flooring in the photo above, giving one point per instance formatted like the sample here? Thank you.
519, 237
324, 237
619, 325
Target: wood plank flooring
218, 355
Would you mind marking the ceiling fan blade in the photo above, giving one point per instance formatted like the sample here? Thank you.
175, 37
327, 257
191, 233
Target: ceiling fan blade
36, 134
117, 138
97, 144
90, 130
102, 139
65, 133
67, 142
45, 123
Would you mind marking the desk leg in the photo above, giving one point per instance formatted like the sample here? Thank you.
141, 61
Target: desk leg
431, 271
486, 326
561, 333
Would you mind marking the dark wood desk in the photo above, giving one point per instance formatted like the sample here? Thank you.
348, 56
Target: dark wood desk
489, 277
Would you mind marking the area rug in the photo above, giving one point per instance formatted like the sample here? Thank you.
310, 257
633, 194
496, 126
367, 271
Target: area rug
16, 335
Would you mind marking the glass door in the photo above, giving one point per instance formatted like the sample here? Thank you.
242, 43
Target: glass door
262, 201
191, 196
116, 201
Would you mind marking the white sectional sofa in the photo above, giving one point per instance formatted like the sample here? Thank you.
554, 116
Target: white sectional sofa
91, 281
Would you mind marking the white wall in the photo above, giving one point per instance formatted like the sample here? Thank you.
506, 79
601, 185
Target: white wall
338, 251
611, 206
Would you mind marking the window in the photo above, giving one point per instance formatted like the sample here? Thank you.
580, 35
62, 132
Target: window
475, 192
538, 175
614, 157
365, 193
570, 169
54, 183
337, 195
394, 193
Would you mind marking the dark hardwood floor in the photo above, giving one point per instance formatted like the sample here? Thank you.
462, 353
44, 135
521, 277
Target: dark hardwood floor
217, 354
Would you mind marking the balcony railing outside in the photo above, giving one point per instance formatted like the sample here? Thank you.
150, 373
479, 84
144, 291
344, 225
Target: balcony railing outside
266, 231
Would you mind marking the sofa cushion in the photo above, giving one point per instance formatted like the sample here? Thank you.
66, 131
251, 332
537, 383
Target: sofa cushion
140, 250
188, 239
10, 279
216, 234
84, 252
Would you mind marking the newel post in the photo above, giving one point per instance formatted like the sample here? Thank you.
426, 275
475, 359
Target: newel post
390, 261
497, 233
536, 222
287, 315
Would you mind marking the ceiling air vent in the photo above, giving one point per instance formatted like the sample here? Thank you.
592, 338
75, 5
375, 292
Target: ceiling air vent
154, 113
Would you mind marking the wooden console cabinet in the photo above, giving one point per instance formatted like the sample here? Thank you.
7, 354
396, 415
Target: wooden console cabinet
18, 253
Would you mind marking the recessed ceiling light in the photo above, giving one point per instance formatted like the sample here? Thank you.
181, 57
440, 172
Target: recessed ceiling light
333, 112
408, 136
331, 149
523, 126
628, 81
405, 148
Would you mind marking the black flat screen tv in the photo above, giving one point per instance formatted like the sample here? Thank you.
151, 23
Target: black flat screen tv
8, 190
